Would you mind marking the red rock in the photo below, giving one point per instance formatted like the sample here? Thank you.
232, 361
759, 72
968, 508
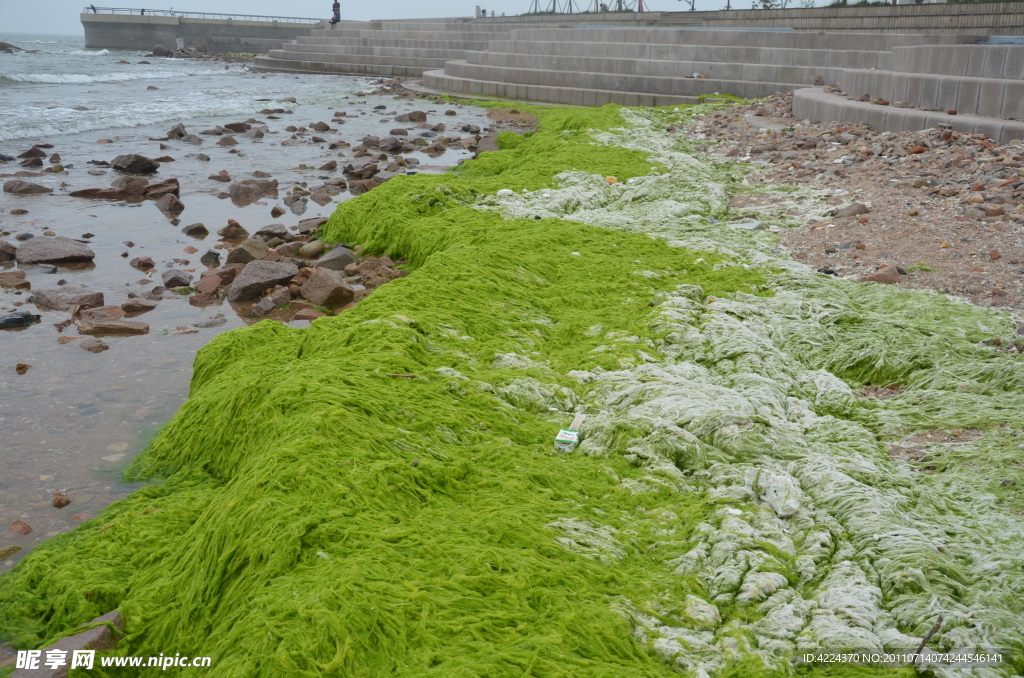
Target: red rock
917, 149
326, 288
309, 314
19, 527
995, 254
208, 284
233, 231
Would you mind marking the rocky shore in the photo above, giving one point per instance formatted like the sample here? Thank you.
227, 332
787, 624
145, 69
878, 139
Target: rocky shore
935, 209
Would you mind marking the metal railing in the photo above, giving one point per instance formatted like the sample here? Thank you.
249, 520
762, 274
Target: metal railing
92, 9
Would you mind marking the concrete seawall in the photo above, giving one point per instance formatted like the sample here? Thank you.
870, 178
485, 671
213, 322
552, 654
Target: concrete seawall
131, 31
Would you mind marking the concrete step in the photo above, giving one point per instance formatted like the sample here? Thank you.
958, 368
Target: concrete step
613, 82
996, 97
570, 96
357, 50
339, 61
872, 42
814, 104
269, 64
779, 56
386, 44
980, 61
661, 68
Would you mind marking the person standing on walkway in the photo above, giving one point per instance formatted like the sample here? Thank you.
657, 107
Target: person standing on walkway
336, 10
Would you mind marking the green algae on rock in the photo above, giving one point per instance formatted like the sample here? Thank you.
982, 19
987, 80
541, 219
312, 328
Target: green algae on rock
731, 503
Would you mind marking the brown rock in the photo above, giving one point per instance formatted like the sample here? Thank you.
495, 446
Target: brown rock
57, 250
329, 166
134, 163
995, 254
225, 275
142, 263
221, 176
327, 288
11, 278
33, 152
852, 210
993, 209
93, 345
22, 368
100, 194
227, 140
18, 187
138, 306
248, 250
259, 275
208, 284
19, 527
103, 311
161, 188
887, 275
169, 204
104, 325
277, 211
308, 314
61, 499
233, 231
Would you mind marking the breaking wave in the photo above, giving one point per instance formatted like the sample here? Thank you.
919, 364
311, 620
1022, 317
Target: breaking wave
81, 79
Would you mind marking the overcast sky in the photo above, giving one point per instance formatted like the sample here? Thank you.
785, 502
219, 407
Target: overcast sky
61, 16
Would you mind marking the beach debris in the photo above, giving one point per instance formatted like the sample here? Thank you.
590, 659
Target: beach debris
568, 438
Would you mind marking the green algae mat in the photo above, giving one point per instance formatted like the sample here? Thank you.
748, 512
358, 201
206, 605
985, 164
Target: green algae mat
378, 494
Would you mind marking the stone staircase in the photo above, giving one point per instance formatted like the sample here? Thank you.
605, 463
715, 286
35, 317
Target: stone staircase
663, 66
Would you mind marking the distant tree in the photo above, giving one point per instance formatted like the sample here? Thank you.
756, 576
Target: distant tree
807, 4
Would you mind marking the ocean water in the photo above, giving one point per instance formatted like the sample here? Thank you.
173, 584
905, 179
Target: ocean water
40, 92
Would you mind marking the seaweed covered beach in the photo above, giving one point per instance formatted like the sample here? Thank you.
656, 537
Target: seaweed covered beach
378, 494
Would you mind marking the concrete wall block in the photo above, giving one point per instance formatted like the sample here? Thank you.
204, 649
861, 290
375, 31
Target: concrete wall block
1013, 100
968, 94
630, 99
976, 60
947, 92
1013, 67
959, 58
899, 87
915, 120
995, 58
895, 120
726, 71
718, 53
990, 127
687, 52
929, 94
913, 95
990, 97
1011, 131
802, 57
589, 97
646, 100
